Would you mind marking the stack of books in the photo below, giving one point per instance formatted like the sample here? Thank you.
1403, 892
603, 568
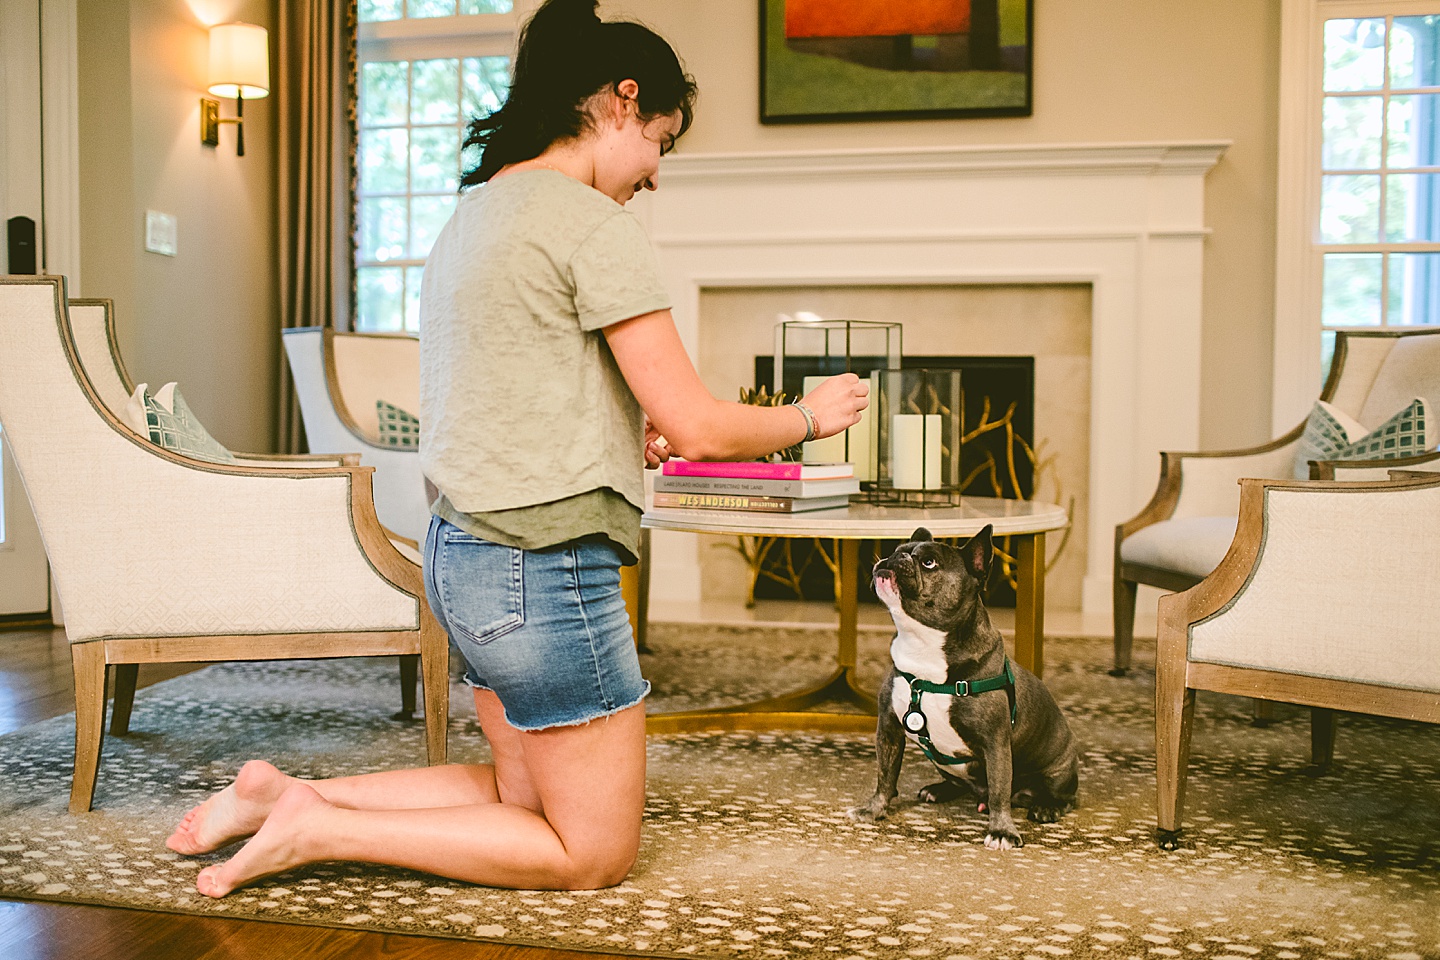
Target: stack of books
755, 486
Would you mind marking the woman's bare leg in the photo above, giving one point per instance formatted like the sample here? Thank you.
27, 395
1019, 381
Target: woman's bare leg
589, 781
240, 809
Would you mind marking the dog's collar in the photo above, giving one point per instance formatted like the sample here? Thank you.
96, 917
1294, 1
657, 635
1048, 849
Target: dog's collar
960, 688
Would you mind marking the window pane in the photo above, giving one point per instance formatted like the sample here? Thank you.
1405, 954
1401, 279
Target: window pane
413, 278
1415, 130
1414, 289
427, 216
1350, 209
1352, 133
379, 293
373, 10
383, 93
382, 160
1354, 54
1414, 57
1412, 207
382, 228
431, 8
436, 94
1352, 290
486, 6
486, 81
434, 159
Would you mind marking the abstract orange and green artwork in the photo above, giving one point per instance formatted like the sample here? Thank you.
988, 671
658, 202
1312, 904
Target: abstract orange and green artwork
836, 60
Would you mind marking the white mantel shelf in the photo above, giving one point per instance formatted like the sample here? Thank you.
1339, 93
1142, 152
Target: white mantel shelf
1034, 160
1126, 218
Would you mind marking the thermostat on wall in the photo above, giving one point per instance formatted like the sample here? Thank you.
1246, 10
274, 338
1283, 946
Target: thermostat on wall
160, 233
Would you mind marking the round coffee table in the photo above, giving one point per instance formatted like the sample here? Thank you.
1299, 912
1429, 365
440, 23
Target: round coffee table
1025, 521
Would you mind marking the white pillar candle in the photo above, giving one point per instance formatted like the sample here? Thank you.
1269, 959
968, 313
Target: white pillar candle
915, 452
857, 444
862, 445
828, 450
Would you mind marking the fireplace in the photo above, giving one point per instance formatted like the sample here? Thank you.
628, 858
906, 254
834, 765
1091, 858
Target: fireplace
997, 459
1121, 224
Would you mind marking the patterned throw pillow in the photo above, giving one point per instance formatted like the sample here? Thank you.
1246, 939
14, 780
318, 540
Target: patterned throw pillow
165, 418
1331, 435
398, 428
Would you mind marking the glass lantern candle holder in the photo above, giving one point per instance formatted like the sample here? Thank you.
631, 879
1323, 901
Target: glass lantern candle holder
919, 429
809, 351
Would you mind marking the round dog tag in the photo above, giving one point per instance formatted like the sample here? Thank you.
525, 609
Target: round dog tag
913, 720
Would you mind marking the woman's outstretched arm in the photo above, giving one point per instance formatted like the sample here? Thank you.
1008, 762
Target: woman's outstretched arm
696, 424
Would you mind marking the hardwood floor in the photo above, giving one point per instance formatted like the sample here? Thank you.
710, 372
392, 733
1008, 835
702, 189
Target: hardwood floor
35, 684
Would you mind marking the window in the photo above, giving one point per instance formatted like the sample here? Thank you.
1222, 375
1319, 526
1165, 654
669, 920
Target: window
426, 67
1379, 211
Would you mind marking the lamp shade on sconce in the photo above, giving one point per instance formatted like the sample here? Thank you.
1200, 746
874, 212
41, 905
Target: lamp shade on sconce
239, 61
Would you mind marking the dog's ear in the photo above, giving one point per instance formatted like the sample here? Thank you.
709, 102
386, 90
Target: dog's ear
920, 534
977, 553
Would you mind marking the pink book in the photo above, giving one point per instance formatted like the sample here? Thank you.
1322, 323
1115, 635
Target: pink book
756, 470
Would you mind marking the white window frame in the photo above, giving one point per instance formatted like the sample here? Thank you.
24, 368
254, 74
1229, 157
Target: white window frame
470, 35
1298, 263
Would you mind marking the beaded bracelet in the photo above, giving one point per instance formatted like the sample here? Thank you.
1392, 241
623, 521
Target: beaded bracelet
810, 427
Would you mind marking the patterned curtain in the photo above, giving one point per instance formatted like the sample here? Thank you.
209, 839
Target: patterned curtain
316, 178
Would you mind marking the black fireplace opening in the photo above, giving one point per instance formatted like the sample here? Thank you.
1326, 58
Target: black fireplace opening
996, 457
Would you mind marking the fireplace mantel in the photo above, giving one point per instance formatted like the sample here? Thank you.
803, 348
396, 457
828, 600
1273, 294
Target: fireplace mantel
1128, 219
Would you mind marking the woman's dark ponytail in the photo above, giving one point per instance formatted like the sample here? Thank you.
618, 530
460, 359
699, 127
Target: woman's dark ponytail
568, 54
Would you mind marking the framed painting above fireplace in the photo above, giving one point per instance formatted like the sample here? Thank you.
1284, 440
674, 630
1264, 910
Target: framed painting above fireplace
823, 61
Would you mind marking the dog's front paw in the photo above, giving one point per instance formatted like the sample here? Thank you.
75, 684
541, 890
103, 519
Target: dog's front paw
870, 812
1003, 840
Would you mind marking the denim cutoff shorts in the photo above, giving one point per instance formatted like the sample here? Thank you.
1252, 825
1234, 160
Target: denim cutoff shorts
546, 630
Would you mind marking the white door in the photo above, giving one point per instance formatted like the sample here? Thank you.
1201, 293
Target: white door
24, 575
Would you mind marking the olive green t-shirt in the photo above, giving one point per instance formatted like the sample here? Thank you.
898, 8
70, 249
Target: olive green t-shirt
531, 434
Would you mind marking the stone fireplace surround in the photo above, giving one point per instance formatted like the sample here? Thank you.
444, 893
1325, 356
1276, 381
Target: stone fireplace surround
1128, 219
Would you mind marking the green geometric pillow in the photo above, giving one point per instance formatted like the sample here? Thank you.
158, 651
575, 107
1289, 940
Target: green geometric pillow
1331, 435
172, 425
398, 428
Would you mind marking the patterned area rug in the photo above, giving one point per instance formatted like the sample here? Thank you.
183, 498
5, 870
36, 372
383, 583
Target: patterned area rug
747, 845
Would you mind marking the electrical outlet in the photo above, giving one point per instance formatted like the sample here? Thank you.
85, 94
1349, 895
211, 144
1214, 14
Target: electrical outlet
160, 233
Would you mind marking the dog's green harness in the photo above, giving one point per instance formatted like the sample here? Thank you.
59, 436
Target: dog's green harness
960, 688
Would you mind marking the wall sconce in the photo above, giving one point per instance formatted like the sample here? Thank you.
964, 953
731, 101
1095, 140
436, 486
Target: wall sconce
239, 68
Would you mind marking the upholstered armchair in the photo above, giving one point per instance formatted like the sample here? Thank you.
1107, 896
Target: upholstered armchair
1325, 598
1186, 528
92, 325
160, 558
338, 378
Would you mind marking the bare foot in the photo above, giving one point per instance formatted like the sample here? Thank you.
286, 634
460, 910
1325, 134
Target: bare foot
275, 848
233, 813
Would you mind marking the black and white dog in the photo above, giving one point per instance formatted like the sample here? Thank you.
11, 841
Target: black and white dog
988, 725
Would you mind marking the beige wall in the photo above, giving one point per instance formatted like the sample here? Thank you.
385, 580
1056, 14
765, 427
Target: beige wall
206, 318
1106, 71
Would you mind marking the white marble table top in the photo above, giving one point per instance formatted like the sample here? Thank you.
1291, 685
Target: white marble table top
864, 521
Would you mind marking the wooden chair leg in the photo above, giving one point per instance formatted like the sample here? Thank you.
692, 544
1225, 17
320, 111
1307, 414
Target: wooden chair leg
1174, 716
409, 676
435, 665
1262, 713
88, 660
123, 678
1125, 593
1322, 740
